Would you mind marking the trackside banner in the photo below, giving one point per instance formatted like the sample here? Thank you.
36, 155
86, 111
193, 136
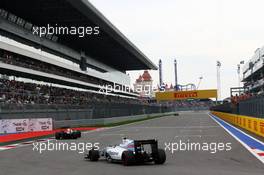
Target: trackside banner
25, 125
252, 124
182, 95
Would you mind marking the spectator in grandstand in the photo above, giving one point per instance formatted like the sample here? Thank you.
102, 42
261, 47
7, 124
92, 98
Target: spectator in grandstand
238, 98
16, 92
22, 61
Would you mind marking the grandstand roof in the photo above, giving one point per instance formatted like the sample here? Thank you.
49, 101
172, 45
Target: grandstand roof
111, 47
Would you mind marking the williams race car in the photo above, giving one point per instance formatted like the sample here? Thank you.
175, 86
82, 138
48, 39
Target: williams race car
130, 152
68, 134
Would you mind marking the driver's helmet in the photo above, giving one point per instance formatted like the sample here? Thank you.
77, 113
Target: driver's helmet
69, 131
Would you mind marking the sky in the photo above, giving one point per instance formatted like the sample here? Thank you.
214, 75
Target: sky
196, 33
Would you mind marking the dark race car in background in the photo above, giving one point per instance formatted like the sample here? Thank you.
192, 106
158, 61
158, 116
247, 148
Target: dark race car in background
68, 134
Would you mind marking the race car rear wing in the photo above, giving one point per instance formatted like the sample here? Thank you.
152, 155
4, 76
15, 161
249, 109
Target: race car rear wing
153, 144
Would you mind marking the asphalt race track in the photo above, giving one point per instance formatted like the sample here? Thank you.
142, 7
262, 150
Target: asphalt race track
189, 126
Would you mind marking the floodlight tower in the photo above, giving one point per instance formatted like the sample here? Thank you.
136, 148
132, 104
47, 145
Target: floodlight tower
176, 74
199, 83
160, 73
218, 66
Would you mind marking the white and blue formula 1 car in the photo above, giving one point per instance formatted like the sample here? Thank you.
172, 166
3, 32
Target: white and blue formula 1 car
130, 152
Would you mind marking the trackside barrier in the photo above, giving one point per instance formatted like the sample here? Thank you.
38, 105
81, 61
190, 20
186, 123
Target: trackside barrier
252, 124
105, 121
8, 126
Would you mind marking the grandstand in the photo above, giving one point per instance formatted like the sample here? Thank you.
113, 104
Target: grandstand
249, 99
94, 60
253, 72
63, 71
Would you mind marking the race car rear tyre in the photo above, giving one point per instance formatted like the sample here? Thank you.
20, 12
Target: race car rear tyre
161, 157
128, 158
94, 155
58, 135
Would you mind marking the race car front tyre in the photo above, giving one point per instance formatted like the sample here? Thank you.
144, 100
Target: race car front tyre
161, 157
128, 158
94, 155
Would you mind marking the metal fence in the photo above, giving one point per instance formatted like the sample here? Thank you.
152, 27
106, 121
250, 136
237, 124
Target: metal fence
105, 121
226, 107
194, 108
66, 112
251, 107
